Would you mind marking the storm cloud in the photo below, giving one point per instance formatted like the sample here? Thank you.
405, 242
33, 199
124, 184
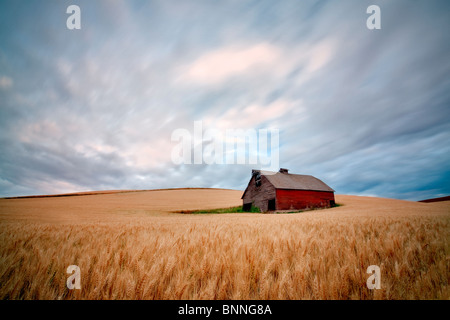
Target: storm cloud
366, 111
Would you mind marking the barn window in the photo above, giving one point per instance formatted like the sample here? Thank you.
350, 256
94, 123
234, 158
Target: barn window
247, 207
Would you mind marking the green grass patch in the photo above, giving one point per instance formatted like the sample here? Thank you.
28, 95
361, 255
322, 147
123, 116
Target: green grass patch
288, 212
240, 210
221, 210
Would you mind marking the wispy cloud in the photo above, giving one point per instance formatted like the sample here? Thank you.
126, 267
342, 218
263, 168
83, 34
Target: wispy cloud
222, 64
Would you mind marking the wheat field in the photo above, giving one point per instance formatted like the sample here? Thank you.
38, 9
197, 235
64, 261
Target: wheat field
132, 245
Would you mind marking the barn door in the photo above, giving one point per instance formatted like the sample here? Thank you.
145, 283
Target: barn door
271, 205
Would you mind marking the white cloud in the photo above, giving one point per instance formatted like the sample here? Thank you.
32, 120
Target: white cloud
145, 155
220, 65
6, 82
40, 132
217, 66
251, 116
320, 54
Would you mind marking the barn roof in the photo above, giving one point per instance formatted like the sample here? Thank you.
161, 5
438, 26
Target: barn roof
295, 181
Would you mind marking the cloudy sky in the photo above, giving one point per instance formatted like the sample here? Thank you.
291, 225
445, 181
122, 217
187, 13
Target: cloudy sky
366, 111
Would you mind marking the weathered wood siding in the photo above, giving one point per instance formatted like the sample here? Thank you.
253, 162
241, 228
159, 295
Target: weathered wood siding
259, 196
302, 199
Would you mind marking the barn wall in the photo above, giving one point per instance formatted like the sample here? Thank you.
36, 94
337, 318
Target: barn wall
302, 199
259, 196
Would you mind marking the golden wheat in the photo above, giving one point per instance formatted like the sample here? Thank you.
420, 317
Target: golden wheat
141, 254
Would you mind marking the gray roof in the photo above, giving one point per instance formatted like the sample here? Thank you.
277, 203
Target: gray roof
295, 181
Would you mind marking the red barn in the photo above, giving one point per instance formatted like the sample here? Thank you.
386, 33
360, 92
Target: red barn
285, 191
